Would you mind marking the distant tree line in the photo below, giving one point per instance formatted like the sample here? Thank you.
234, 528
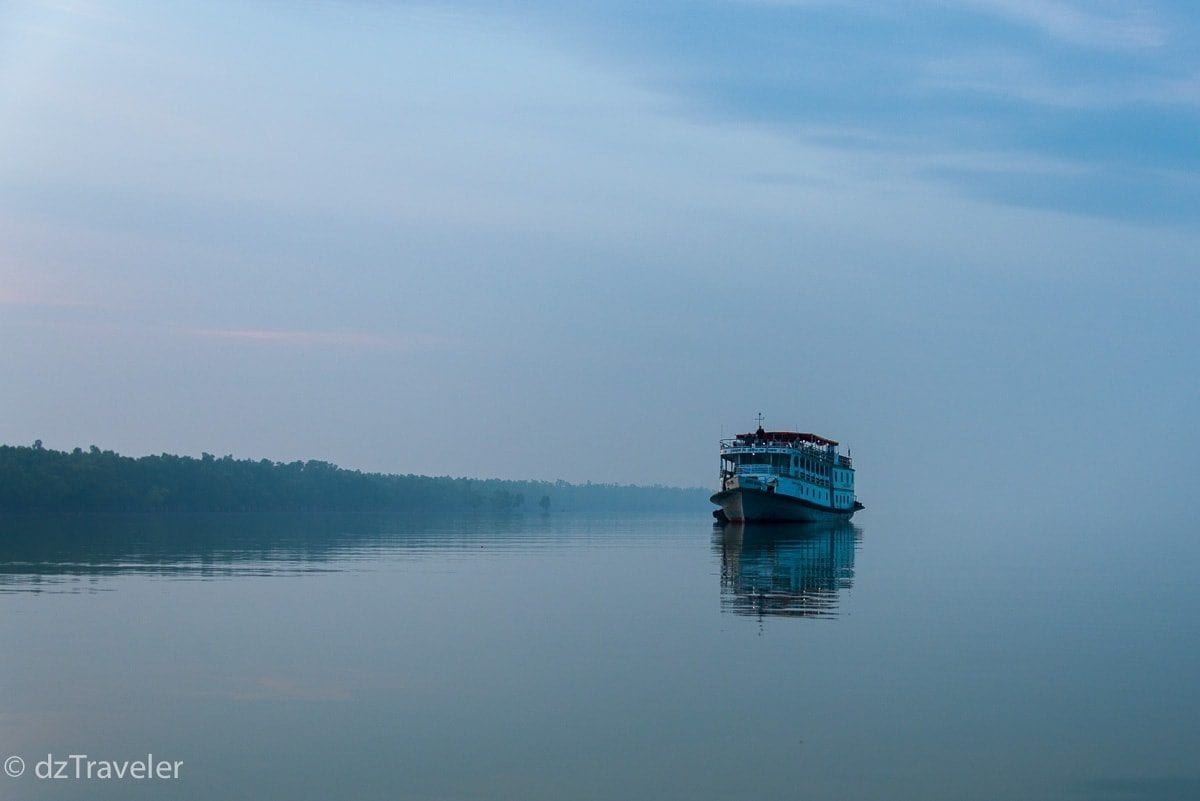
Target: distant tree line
34, 478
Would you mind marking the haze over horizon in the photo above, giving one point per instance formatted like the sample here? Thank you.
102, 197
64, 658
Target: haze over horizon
539, 241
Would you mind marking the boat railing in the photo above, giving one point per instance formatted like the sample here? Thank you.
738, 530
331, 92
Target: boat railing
773, 443
759, 470
819, 454
772, 470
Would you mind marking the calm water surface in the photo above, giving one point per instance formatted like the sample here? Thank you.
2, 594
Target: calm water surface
602, 658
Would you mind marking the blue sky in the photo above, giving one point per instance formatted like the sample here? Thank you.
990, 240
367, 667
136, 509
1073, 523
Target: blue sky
530, 239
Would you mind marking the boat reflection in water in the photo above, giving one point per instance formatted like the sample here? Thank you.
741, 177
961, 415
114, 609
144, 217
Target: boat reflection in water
793, 569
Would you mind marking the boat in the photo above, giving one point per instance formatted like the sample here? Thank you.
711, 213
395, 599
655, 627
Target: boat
784, 476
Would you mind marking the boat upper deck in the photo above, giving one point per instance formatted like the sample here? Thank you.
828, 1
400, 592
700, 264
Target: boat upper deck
810, 445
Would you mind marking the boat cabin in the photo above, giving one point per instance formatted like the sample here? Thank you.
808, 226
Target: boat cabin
807, 465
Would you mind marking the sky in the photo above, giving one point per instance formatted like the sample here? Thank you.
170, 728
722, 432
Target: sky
586, 240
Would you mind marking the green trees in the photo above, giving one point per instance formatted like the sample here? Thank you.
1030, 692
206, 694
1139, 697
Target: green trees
33, 478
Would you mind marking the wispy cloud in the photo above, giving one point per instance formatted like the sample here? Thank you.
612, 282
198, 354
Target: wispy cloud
262, 688
1098, 24
15, 296
1122, 27
1019, 77
299, 338
25, 287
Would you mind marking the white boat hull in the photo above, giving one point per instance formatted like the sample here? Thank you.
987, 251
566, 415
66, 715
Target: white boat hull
753, 505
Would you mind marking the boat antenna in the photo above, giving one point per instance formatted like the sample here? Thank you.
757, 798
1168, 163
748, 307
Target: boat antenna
759, 418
